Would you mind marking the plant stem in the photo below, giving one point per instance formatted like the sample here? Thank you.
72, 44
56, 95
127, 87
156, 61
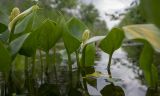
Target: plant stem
78, 65
84, 71
70, 67
47, 65
54, 64
41, 61
109, 65
33, 65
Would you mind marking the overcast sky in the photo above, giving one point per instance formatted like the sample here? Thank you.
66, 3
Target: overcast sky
110, 6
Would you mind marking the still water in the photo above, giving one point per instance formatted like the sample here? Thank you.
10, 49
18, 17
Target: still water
122, 68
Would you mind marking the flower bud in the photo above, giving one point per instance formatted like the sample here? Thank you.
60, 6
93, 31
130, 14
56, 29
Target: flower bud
21, 15
14, 13
85, 36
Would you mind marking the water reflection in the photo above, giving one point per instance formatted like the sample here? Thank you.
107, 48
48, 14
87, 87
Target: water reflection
123, 69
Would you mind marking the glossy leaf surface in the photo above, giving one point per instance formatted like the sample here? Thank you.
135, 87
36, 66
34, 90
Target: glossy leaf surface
112, 41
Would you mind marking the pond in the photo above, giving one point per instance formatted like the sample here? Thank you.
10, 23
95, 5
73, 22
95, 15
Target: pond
124, 69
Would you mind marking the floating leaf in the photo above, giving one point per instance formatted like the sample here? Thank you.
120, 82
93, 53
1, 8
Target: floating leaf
112, 41
144, 31
5, 59
112, 90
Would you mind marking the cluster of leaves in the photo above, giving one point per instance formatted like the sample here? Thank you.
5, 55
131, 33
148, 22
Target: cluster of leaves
31, 32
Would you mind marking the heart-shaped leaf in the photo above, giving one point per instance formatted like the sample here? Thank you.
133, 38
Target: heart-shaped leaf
48, 35
112, 90
73, 34
112, 41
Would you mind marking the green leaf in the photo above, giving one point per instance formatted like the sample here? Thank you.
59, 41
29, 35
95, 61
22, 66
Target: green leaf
146, 63
70, 42
146, 57
92, 82
5, 58
76, 28
48, 35
90, 52
73, 34
3, 27
29, 46
25, 24
154, 75
112, 90
144, 31
150, 10
16, 44
112, 41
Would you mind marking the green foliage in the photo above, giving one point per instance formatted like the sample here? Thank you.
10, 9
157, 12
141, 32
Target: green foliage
16, 44
76, 28
2, 27
112, 90
146, 58
112, 41
24, 25
150, 10
47, 35
89, 55
148, 32
30, 45
133, 17
146, 64
33, 33
5, 59
73, 34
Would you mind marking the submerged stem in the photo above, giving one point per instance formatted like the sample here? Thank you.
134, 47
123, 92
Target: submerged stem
33, 65
70, 67
41, 61
54, 64
47, 65
109, 65
78, 65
